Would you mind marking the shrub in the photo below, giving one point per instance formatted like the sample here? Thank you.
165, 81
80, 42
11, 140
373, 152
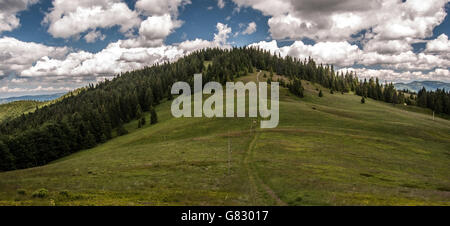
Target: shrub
64, 193
121, 130
41, 193
153, 116
21, 192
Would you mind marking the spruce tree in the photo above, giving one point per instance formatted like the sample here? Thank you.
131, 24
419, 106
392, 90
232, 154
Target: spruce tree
143, 121
6, 158
121, 130
138, 112
153, 116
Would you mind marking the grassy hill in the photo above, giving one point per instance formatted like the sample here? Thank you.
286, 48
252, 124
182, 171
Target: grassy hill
17, 108
326, 151
14, 109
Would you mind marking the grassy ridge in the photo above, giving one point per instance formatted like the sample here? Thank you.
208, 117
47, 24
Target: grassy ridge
326, 151
17, 108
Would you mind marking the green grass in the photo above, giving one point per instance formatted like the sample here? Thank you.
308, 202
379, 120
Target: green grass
17, 108
326, 151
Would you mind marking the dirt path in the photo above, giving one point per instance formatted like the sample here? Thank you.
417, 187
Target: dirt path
253, 176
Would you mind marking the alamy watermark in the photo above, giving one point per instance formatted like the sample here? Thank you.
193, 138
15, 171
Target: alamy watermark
213, 106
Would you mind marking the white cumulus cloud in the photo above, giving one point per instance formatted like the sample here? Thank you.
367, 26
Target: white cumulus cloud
221, 3
251, 28
439, 45
69, 18
117, 57
338, 20
338, 53
16, 55
160, 7
388, 75
8, 13
153, 31
94, 36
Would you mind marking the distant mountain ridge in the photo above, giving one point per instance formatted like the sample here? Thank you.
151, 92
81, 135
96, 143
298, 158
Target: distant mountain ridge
417, 85
41, 98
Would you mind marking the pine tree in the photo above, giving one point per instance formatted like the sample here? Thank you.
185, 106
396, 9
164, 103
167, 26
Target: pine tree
296, 88
121, 130
422, 98
363, 100
138, 112
6, 158
143, 121
320, 93
153, 116
89, 140
395, 98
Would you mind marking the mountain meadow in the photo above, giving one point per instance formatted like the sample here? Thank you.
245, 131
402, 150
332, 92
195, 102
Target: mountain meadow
340, 141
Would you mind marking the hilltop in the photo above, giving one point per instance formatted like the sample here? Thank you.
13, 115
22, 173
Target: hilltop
332, 147
12, 110
327, 151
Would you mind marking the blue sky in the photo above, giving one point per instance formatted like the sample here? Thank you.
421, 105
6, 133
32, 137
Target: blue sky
200, 19
49, 46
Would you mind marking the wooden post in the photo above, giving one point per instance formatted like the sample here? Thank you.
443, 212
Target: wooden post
229, 153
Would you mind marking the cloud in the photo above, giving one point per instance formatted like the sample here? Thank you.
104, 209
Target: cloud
387, 47
8, 13
221, 3
338, 20
438, 74
192, 45
69, 18
222, 35
118, 57
153, 31
160, 7
158, 27
404, 61
94, 36
220, 40
6, 89
16, 55
338, 53
112, 60
251, 28
19, 80
439, 45
345, 54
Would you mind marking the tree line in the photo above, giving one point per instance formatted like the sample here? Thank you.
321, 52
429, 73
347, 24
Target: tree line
438, 101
